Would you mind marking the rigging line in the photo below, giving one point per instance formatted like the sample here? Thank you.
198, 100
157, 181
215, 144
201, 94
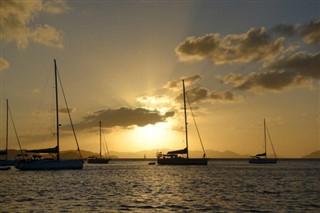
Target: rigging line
105, 142
65, 100
271, 142
15, 131
196, 126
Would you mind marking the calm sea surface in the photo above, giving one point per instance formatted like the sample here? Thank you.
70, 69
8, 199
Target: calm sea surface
134, 186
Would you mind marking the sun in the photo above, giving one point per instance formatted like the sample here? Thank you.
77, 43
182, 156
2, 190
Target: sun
153, 136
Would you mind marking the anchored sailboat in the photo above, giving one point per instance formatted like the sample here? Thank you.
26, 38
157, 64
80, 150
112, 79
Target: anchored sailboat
36, 162
6, 161
181, 157
263, 157
99, 159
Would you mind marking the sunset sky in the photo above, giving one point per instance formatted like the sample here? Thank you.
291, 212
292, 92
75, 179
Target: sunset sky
122, 62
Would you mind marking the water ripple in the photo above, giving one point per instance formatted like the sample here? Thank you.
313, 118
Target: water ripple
225, 186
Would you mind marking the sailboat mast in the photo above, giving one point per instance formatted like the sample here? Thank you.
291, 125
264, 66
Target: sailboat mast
265, 137
57, 108
7, 130
100, 138
185, 117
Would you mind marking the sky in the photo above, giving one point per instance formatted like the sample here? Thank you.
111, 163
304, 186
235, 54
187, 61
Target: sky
122, 63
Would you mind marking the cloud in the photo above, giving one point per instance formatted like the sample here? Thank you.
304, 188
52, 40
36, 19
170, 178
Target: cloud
281, 67
65, 110
177, 84
286, 73
4, 64
17, 16
303, 64
196, 94
55, 7
123, 117
253, 46
48, 36
265, 81
311, 32
200, 94
284, 29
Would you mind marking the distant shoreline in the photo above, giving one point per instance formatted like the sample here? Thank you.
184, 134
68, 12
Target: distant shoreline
217, 159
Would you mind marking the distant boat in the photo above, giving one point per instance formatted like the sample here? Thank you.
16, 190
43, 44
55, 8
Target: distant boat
36, 162
181, 157
262, 158
6, 161
98, 159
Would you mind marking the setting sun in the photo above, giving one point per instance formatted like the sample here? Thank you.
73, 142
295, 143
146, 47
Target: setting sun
153, 136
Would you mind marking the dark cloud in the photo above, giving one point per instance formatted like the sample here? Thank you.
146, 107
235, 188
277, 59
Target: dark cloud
285, 68
311, 32
177, 85
289, 72
264, 81
284, 29
254, 45
65, 110
200, 94
123, 117
306, 65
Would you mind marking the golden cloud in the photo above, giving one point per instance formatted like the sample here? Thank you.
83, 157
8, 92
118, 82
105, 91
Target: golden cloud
4, 64
16, 20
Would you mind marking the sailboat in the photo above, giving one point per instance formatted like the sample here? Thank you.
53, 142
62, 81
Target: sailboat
36, 162
181, 157
6, 161
98, 159
262, 158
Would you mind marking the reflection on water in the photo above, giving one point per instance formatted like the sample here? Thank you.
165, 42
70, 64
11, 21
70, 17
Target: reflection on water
221, 186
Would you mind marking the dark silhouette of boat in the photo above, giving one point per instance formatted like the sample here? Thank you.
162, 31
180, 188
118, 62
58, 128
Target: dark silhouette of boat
181, 157
99, 159
262, 158
6, 162
36, 162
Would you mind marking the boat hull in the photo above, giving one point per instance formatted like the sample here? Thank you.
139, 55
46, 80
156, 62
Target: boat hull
49, 165
263, 161
182, 161
7, 162
98, 161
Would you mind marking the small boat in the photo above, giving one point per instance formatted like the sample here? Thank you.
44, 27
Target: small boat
181, 157
98, 159
6, 161
36, 162
262, 158
152, 163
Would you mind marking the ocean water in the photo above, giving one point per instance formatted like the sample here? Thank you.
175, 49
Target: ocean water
134, 186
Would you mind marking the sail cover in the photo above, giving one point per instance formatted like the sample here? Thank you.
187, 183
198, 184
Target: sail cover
181, 151
3, 152
49, 150
260, 155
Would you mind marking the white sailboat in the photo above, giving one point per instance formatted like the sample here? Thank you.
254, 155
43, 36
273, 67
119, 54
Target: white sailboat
181, 157
262, 158
99, 159
36, 162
